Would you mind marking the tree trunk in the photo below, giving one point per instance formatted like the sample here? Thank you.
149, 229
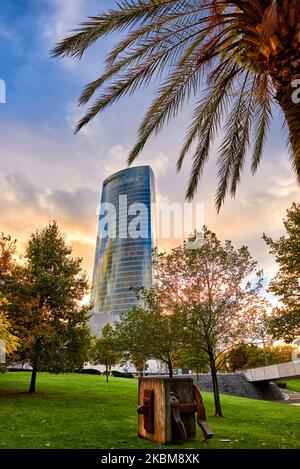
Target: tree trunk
213, 369
170, 368
106, 372
33, 380
144, 369
291, 110
35, 363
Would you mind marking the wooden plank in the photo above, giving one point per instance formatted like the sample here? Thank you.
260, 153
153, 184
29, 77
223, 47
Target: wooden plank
164, 429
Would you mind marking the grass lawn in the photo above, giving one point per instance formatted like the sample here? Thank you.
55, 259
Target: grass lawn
293, 385
83, 411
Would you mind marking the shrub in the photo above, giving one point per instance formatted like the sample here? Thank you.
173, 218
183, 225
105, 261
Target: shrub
89, 371
121, 374
281, 384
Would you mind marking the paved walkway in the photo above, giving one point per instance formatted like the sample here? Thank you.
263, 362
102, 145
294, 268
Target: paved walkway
293, 397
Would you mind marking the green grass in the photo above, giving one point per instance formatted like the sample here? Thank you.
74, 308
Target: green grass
83, 411
293, 385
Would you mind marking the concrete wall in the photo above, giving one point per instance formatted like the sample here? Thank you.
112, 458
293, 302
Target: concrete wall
237, 385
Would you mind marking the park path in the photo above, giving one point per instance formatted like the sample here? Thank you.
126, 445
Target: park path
293, 397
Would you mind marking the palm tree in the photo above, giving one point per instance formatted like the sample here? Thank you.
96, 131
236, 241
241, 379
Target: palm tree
236, 58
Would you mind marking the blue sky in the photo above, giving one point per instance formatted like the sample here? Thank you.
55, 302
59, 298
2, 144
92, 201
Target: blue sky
47, 172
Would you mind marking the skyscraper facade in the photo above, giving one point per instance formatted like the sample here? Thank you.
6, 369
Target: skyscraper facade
125, 239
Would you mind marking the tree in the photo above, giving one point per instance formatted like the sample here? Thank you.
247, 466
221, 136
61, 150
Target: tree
7, 337
193, 357
285, 321
138, 362
238, 358
105, 350
133, 336
8, 263
149, 333
45, 296
9, 271
237, 58
207, 289
250, 355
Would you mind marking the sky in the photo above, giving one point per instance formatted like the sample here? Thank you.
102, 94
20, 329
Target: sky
47, 172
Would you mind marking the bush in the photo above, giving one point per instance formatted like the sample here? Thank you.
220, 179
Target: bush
15, 370
89, 371
120, 374
281, 385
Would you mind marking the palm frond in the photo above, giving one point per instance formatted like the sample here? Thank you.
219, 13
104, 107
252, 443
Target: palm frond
207, 120
261, 120
186, 78
199, 49
171, 96
157, 51
129, 14
239, 158
269, 20
232, 142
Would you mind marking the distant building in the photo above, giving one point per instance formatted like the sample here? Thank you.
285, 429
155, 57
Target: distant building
125, 239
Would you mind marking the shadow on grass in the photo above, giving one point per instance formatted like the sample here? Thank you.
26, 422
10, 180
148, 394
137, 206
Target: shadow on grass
22, 394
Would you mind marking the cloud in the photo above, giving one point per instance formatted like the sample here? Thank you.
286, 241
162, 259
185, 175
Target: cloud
52, 176
94, 134
65, 16
77, 205
25, 207
20, 190
118, 155
7, 33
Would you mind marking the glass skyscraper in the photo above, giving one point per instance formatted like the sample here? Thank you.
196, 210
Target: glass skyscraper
125, 239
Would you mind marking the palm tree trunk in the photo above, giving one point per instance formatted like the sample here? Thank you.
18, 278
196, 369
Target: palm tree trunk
291, 110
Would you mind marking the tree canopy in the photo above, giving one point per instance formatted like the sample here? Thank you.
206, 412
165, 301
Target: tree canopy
45, 294
105, 350
9, 340
203, 302
148, 333
285, 323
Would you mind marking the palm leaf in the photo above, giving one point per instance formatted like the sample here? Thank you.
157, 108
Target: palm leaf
232, 142
261, 120
207, 119
199, 49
